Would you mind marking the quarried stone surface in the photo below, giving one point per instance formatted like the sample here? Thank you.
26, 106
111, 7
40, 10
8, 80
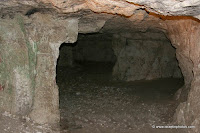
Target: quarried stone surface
144, 56
50, 33
184, 35
15, 73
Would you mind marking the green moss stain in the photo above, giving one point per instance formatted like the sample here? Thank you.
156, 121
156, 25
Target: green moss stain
32, 52
19, 56
15, 55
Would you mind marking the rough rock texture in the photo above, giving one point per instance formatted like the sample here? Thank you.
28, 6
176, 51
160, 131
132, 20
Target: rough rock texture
171, 7
127, 7
23, 95
15, 76
122, 7
29, 52
139, 55
146, 55
184, 35
15, 124
29, 48
50, 33
93, 26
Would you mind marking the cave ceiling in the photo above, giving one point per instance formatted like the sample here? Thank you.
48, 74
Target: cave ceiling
109, 16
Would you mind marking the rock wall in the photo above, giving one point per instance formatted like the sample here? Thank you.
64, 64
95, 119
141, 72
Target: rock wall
94, 47
50, 33
15, 73
29, 52
185, 36
144, 56
29, 49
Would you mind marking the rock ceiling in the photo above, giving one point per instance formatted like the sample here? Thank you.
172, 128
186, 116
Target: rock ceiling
95, 14
124, 7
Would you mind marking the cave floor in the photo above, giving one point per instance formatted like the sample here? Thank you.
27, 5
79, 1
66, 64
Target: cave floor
22, 124
92, 103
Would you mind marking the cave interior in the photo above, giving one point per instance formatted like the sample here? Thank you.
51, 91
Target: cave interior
116, 75
99, 66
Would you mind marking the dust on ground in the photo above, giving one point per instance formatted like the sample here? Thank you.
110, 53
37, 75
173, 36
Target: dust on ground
91, 102
22, 124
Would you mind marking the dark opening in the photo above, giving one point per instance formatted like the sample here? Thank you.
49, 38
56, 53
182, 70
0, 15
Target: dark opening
117, 83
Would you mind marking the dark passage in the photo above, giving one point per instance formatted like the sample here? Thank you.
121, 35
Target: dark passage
93, 99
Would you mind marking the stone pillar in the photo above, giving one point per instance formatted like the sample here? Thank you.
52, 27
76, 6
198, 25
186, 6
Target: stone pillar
50, 34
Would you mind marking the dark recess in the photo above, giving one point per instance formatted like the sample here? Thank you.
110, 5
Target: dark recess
32, 11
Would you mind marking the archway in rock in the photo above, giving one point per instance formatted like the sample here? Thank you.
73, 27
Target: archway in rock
108, 80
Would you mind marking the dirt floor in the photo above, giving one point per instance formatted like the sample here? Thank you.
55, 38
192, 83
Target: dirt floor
91, 102
16, 124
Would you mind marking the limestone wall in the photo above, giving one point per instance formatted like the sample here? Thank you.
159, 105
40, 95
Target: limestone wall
144, 56
139, 55
184, 35
50, 33
29, 48
16, 92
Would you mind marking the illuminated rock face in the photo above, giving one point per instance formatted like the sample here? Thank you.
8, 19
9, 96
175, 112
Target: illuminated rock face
123, 7
28, 68
184, 35
146, 56
31, 32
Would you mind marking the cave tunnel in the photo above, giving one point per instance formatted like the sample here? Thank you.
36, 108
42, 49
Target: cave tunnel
118, 82
99, 66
